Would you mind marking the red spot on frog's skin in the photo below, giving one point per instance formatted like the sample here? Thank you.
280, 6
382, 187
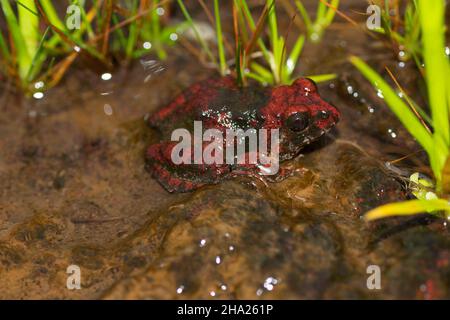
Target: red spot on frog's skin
297, 110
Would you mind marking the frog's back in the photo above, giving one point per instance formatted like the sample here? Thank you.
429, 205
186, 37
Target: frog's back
188, 105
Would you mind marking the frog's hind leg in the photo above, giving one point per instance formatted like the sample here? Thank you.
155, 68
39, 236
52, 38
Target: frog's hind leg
183, 105
157, 164
166, 114
170, 182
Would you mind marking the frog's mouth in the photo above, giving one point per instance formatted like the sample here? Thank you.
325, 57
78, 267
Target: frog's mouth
295, 141
324, 121
312, 134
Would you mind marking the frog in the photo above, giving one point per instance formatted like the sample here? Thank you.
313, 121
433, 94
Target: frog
296, 110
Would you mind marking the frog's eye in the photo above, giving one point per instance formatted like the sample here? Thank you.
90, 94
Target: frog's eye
298, 121
324, 115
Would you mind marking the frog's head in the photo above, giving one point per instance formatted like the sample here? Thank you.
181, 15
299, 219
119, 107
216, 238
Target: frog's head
304, 116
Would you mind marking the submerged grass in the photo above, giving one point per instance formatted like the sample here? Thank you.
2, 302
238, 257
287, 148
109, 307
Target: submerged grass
436, 142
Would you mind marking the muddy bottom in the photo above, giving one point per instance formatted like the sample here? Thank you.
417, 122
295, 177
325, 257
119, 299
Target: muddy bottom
74, 191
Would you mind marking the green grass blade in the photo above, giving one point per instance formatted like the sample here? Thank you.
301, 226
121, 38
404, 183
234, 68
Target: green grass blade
331, 12
23, 58
242, 5
132, 33
321, 11
322, 77
273, 26
4, 48
156, 35
291, 62
29, 25
120, 34
280, 65
220, 46
433, 37
304, 13
432, 21
155, 20
448, 85
239, 69
258, 78
401, 110
51, 14
419, 109
84, 20
408, 208
277, 44
38, 58
199, 38
262, 72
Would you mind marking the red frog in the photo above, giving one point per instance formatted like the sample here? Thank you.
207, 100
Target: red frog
297, 110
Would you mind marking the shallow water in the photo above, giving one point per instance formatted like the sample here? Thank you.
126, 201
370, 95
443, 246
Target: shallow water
74, 190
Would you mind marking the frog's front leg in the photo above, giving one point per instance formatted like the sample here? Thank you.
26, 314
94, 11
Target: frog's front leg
182, 177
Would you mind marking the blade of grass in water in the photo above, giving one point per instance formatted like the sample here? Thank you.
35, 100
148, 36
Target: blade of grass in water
433, 37
199, 38
408, 208
401, 109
